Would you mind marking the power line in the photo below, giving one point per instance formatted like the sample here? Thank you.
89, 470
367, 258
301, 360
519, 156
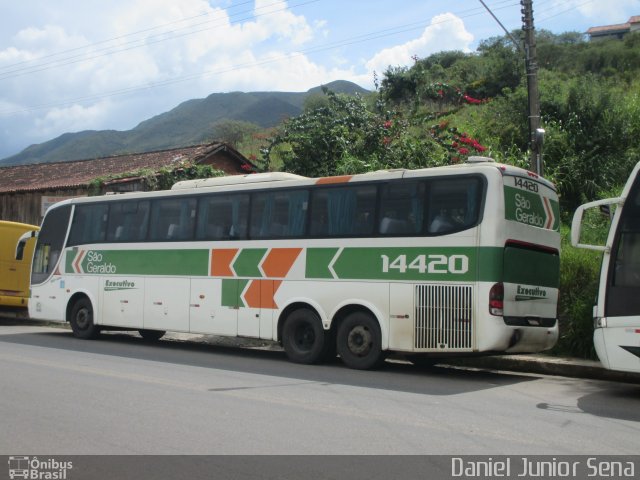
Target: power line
563, 11
135, 43
345, 42
515, 42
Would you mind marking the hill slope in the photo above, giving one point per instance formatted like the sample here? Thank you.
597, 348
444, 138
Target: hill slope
189, 123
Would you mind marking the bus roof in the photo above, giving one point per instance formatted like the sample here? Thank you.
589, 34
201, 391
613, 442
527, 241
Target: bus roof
237, 180
256, 180
17, 225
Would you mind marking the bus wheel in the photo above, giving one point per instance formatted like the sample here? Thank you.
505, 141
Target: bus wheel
151, 335
82, 320
359, 341
303, 337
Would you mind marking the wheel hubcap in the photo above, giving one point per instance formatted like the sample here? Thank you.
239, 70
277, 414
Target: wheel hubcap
83, 319
359, 341
305, 337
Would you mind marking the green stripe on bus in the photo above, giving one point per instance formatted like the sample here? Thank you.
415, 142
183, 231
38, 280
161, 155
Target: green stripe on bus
530, 267
467, 264
318, 260
490, 264
528, 208
143, 262
407, 263
246, 265
68, 260
232, 289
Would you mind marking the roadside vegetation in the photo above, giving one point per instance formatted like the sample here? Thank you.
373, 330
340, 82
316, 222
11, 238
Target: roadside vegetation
452, 105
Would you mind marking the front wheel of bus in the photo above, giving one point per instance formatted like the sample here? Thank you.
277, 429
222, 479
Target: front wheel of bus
359, 341
303, 337
82, 320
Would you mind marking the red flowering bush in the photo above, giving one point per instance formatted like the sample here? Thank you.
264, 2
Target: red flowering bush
458, 144
439, 91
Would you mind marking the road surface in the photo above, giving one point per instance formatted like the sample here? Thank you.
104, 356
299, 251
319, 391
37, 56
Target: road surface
121, 395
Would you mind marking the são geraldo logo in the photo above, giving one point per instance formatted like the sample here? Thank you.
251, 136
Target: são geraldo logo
38, 469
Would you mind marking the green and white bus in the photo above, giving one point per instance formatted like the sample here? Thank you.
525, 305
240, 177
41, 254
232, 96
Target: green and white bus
456, 260
616, 313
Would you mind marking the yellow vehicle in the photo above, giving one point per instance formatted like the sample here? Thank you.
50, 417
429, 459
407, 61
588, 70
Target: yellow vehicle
15, 265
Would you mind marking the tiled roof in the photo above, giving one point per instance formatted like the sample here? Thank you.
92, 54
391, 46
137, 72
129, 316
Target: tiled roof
61, 175
622, 27
634, 19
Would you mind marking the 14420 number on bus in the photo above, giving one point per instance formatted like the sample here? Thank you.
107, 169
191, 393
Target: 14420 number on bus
445, 264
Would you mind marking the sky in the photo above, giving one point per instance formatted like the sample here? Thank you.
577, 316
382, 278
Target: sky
69, 66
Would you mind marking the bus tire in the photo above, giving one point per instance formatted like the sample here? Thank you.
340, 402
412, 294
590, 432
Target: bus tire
360, 342
303, 337
151, 335
82, 320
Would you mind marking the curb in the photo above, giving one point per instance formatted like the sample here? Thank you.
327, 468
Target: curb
546, 365
533, 363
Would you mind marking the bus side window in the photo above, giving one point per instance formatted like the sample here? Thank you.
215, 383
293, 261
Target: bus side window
222, 217
343, 211
402, 208
89, 224
280, 214
172, 219
454, 204
128, 221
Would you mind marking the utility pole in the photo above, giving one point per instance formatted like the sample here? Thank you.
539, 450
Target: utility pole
536, 134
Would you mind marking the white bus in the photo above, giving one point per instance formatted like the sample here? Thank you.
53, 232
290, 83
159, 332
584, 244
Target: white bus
617, 310
433, 262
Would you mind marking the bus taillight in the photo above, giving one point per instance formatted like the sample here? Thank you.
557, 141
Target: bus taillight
496, 299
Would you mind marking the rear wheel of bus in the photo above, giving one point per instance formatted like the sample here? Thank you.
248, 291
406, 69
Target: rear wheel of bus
82, 320
303, 337
359, 341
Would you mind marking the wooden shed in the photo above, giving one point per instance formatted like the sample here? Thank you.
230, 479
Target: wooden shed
26, 191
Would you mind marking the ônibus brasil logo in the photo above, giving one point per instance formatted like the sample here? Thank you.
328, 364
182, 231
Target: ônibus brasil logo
36, 469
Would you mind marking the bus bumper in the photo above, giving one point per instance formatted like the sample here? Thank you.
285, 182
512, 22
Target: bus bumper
13, 301
532, 339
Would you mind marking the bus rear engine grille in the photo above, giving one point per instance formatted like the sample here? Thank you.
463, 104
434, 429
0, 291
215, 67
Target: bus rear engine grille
444, 317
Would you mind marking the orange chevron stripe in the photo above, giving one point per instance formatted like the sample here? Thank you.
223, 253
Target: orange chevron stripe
260, 294
78, 260
221, 259
279, 261
549, 212
331, 180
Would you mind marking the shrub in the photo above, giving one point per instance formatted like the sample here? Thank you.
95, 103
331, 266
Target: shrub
579, 278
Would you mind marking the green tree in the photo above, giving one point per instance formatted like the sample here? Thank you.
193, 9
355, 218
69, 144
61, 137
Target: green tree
346, 137
234, 132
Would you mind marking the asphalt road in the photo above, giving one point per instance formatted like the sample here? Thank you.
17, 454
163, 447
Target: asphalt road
120, 395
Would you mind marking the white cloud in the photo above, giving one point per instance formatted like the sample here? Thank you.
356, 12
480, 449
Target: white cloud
276, 18
72, 118
273, 70
446, 32
602, 13
174, 41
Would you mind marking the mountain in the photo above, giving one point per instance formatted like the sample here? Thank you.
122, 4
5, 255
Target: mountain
189, 123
